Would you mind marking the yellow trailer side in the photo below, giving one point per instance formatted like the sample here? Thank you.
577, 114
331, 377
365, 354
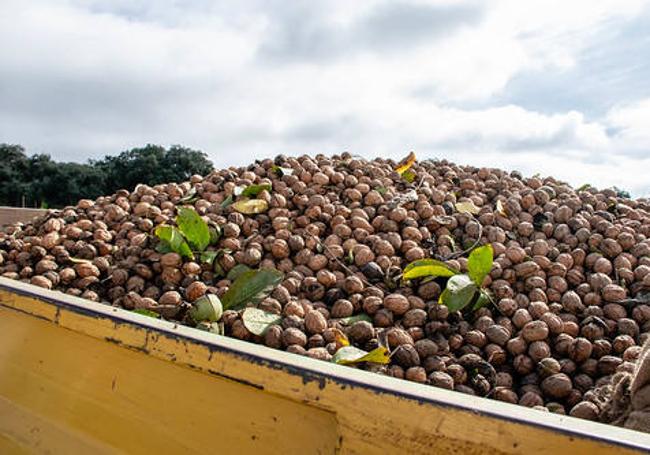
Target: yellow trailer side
82, 377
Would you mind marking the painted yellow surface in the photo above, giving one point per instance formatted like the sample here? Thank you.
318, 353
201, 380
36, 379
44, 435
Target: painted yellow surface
76, 381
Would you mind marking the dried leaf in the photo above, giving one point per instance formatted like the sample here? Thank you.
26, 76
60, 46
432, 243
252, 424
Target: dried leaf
427, 267
409, 176
258, 321
191, 195
251, 206
352, 319
80, 261
405, 164
340, 339
500, 209
468, 207
349, 355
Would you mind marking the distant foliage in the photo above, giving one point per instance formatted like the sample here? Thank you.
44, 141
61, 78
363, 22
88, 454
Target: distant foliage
38, 181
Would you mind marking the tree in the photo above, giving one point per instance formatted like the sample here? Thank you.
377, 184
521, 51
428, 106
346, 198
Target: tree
152, 164
14, 165
39, 181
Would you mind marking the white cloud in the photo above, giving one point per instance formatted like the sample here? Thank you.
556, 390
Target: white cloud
244, 80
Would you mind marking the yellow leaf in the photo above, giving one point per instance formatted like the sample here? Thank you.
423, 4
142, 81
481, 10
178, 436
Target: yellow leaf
405, 164
501, 210
467, 207
340, 339
377, 355
251, 206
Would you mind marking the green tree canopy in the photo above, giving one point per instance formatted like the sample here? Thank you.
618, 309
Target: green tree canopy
44, 182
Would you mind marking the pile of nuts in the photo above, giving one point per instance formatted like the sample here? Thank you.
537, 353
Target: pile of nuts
568, 281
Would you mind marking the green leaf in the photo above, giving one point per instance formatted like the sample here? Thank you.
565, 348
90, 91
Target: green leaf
468, 207
459, 292
428, 267
237, 270
483, 300
254, 190
163, 247
349, 355
215, 234
250, 287
409, 176
145, 312
381, 190
258, 321
251, 206
209, 256
194, 228
479, 263
174, 239
352, 319
226, 202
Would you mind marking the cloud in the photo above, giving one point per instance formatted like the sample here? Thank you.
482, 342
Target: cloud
301, 34
506, 84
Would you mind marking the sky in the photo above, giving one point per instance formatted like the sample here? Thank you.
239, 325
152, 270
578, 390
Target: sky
558, 88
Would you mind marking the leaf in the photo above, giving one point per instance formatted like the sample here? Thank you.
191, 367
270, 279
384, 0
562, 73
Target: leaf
405, 164
250, 287
258, 321
254, 190
174, 239
80, 261
349, 355
409, 176
583, 187
215, 234
459, 292
251, 206
352, 319
163, 247
479, 263
428, 267
282, 170
213, 327
381, 190
208, 257
145, 312
483, 300
468, 207
189, 196
501, 210
226, 202
340, 339
236, 271
208, 307
194, 228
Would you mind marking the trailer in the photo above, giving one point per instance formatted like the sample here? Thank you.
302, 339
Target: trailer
83, 377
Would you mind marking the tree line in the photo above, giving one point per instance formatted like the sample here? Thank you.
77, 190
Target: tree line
39, 181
